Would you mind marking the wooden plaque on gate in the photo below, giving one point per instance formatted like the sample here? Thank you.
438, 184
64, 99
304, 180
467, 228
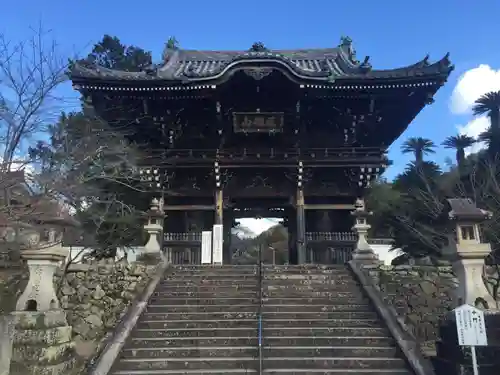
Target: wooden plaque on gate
257, 122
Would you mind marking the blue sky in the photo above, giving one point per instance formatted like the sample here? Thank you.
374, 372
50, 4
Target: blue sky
393, 32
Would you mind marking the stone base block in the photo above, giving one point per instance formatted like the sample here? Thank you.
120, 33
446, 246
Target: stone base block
28, 320
67, 367
365, 256
41, 336
42, 344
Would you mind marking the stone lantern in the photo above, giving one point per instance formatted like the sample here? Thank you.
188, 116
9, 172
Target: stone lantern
363, 252
154, 227
468, 253
38, 307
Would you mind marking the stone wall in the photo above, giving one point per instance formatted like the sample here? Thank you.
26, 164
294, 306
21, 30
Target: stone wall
95, 296
421, 296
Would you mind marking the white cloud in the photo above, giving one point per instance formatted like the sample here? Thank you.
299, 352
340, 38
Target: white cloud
471, 85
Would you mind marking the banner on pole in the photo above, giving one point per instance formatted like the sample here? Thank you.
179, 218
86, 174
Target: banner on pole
206, 247
217, 244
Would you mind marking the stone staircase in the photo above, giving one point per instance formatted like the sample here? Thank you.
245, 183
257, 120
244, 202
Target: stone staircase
200, 320
204, 320
316, 320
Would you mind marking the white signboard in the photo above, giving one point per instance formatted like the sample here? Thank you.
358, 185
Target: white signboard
206, 247
217, 244
471, 328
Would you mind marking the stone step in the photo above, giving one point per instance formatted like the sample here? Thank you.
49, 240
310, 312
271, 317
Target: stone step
189, 372
315, 308
214, 277
330, 300
329, 351
210, 267
319, 331
190, 352
330, 362
267, 323
196, 332
308, 276
164, 290
175, 324
214, 294
281, 287
330, 283
211, 275
252, 340
381, 341
195, 363
293, 315
204, 301
176, 342
328, 372
219, 315
306, 270
316, 331
271, 292
267, 316
269, 363
169, 308
267, 372
244, 351
190, 282
354, 323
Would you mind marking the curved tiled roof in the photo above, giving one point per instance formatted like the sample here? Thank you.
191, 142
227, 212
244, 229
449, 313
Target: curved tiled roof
323, 64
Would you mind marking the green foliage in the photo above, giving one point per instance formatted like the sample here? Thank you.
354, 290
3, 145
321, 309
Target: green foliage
111, 53
459, 143
419, 147
91, 166
413, 208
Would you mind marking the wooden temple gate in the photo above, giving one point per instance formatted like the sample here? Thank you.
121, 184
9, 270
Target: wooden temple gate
302, 131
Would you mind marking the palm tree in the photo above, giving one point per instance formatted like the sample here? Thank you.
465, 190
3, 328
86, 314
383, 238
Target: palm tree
419, 147
459, 143
489, 104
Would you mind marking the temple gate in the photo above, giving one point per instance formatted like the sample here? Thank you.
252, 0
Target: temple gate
295, 134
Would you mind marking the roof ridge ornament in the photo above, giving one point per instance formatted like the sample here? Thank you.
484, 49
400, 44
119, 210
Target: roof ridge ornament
258, 47
425, 61
365, 65
346, 42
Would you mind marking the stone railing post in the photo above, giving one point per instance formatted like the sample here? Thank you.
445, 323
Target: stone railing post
363, 252
6, 337
154, 228
468, 254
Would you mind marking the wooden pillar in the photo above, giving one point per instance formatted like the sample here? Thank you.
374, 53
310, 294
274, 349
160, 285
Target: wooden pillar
301, 227
301, 217
219, 206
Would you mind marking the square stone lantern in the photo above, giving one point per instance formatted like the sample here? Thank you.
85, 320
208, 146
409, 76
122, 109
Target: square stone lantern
154, 227
42, 343
467, 252
363, 251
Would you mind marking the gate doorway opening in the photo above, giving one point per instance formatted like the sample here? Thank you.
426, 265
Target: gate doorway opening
267, 236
